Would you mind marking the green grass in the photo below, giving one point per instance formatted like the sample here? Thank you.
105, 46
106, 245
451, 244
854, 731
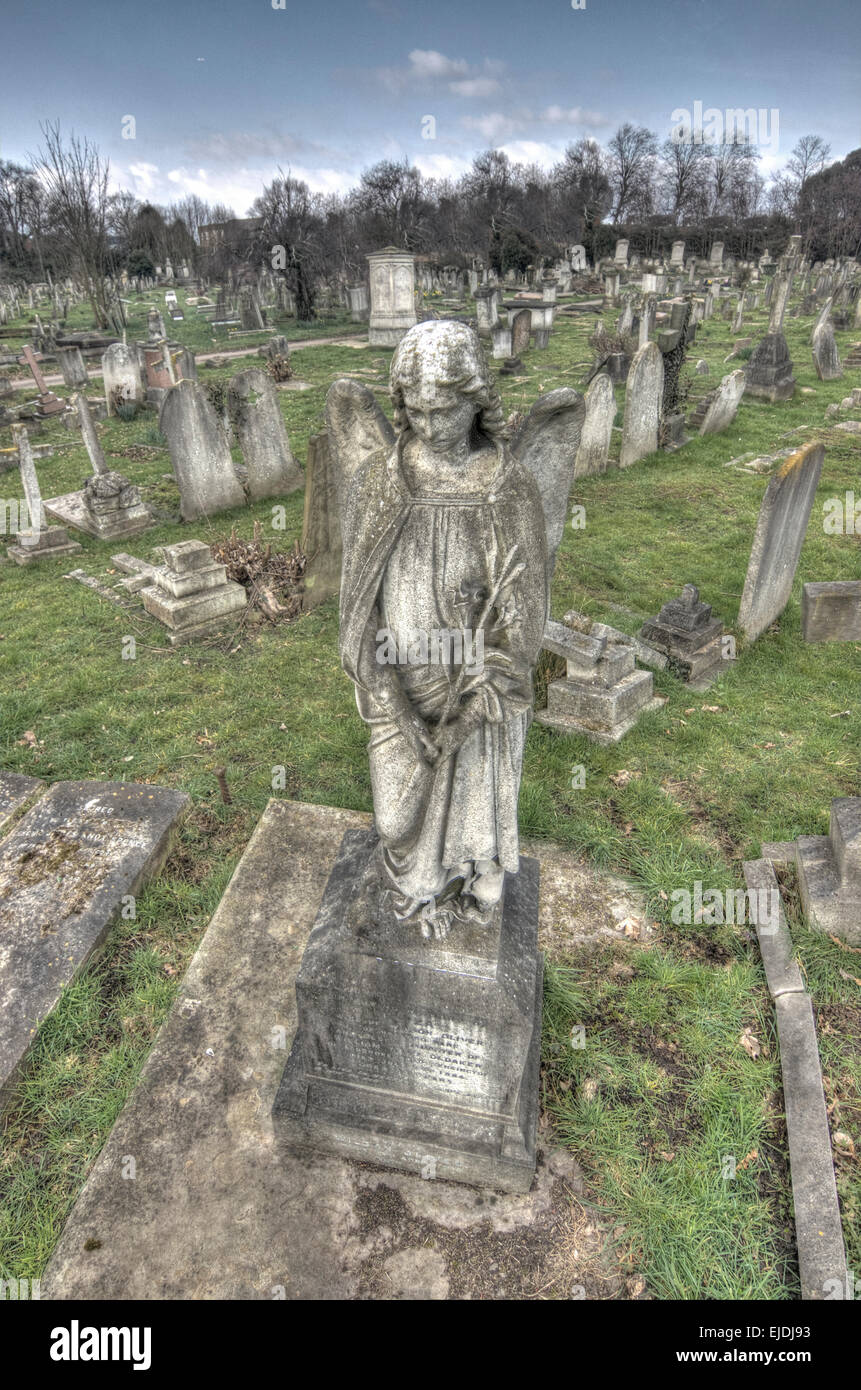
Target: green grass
758, 757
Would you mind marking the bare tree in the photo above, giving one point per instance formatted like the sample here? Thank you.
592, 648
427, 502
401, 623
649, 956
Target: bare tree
808, 157
76, 184
683, 174
632, 159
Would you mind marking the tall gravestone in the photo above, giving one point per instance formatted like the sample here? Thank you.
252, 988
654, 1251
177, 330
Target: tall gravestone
643, 395
594, 450
122, 377
780, 531
199, 453
262, 435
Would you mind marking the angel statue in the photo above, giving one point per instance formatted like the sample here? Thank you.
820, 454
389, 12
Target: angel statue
449, 539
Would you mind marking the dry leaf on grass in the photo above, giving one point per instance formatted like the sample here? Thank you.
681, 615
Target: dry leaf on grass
751, 1044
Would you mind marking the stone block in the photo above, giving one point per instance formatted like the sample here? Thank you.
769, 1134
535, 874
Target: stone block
831, 612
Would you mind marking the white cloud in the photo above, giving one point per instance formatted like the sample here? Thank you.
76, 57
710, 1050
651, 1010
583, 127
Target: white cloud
533, 152
426, 62
493, 125
475, 87
442, 166
573, 115
144, 178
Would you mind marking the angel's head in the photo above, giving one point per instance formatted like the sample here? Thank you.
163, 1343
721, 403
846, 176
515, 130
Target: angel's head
442, 388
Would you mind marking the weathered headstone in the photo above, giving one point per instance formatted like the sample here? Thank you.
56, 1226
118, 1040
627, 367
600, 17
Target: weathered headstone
642, 405
321, 527
780, 531
769, 370
594, 450
521, 327
262, 435
73, 367
826, 358
724, 406
122, 377
199, 452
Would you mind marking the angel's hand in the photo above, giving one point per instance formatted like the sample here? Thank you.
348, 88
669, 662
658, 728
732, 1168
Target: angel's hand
454, 734
417, 735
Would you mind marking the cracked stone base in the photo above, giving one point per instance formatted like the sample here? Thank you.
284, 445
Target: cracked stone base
565, 724
71, 510
52, 542
417, 1054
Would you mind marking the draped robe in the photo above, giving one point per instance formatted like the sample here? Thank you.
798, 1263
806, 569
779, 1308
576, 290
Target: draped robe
421, 563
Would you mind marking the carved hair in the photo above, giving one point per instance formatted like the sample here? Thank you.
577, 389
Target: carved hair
450, 354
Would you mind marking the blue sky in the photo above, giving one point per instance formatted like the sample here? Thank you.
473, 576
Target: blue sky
224, 92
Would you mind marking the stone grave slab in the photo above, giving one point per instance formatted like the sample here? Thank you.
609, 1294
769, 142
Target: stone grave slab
64, 871
17, 792
219, 1209
780, 531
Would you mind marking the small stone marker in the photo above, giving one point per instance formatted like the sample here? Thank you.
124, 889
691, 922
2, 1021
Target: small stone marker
262, 435
66, 870
780, 532
201, 459
831, 612
829, 873
192, 595
602, 694
691, 638
642, 405
521, 327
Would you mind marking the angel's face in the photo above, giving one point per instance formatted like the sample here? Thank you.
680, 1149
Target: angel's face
441, 416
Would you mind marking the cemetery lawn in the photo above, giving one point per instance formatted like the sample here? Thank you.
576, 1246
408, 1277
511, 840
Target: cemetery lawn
663, 1092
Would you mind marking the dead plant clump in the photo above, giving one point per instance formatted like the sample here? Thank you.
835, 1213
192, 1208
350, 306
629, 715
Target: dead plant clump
274, 582
279, 368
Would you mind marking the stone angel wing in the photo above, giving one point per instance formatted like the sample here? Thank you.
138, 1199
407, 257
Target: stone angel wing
356, 427
546, 443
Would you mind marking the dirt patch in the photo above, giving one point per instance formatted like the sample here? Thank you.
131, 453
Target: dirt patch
428, 1240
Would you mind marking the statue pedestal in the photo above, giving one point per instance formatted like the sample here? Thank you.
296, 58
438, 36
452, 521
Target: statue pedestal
412, 1053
